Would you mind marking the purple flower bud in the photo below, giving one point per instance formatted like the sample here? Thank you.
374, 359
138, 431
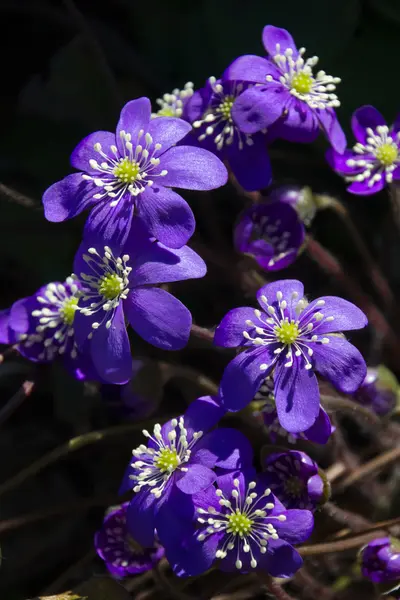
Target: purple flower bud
122, 555
379, 390
299, 197
295, 479
272, 233
380, 560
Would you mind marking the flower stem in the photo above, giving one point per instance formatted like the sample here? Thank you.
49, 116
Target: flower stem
202, 333
15, 402
353, 521
340, 546
381, 461
17, 197
275, 588
351, 407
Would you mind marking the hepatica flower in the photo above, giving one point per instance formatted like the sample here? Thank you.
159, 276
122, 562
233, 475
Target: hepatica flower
272, 233
298, 197
118, 284
177, 462
380, 560
131, 173
210, 110
173, 105
241, 526
121, 554
265, 406
291, 338
379, 391
375, 159
294, 478
287, 92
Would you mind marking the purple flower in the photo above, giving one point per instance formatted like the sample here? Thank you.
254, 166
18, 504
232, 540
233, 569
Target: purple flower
294, 478
178, 462
122, 555
379, 391
288, 94
272, 233
173, 105
375, 160
42, 327
131, 172
119, 283
299, 197
242, 526
210, 112
264, 402
291, 338
380, 560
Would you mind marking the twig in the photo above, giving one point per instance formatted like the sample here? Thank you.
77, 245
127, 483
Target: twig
275, 588
336, 470
381, 461
202, 333
17, 197
352, 520
15, 402
315, 589
351, 407
72, 445
63, 579
349, 544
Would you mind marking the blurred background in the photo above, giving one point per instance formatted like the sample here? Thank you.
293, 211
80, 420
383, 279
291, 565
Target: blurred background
66, 70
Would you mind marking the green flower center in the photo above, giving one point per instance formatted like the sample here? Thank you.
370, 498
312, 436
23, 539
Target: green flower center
167, 461
287, 332
302, 83
67, 312
225, 107
127, 171
167, 111
111, 286
294, 486
387, 154
239, 524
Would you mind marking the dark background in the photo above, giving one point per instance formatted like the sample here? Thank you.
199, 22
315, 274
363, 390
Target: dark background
65, 74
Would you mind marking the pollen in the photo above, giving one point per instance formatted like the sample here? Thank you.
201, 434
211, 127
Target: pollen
111, 285
287, 332
167, 460
127, 171
67, 312
387, 154
225, 107
302, 83
239, 524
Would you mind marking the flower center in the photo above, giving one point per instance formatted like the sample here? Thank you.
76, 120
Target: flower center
111, 286
387, 154
294, 486
127, 170
167, 460
67, 312
225, 107
302, 83
239, 524
287, 332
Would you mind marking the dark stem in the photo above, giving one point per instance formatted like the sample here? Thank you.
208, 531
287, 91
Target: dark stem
17, 197
351, 407
275, 588
15, 402
381, 461
353, 521
202, 333
341, 546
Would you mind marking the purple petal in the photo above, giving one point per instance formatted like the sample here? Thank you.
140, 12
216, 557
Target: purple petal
321, 431
140, 518
20, 313
197, 103
257, 108
251, 165
296, 395
191, 557
203, 414
224, 448
67, 198
272, 36
361, 188
287, 287
242, 377
300, 123
297, 527
167, 131
159, 318
84, 152
166, 215
4, 326
193, 169
346, 315
363, 117
281, 559
152, 262
196, 478
334, 132
135, 116
229, 332
341, 363
111, 224
250, 68
338, 162
111, 351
